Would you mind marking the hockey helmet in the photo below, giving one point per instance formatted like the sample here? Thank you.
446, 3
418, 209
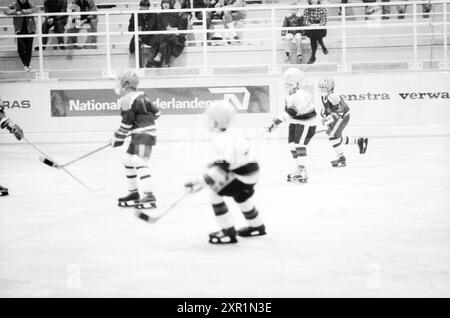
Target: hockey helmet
326, 86
293, 78
220, 115
126, 79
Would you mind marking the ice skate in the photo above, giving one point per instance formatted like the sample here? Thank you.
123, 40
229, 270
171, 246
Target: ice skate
299, 175
249, 231
3, 191
225, 236
147, 202
129, 200
339, 162
362, 144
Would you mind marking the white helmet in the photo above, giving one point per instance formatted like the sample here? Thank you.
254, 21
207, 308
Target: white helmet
326, 86
220, 114
293, 78
126, 79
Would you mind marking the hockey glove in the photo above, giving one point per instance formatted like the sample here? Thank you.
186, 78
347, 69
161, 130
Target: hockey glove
12, 128
17, 131
117, 140
274, 124
194, 186
328, 120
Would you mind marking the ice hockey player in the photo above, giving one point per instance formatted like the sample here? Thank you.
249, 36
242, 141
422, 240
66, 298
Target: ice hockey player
336, 115
14, 129
232, 171
138, 120
300, 112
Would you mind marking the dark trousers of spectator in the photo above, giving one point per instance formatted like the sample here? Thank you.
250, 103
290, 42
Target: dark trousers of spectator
316, 36
24, 48
73, 39
58, 28
386, 10
199, 16
92, 39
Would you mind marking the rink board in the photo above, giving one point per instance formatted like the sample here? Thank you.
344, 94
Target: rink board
387, 104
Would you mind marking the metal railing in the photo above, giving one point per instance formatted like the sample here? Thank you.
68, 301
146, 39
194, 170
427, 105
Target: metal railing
269, 27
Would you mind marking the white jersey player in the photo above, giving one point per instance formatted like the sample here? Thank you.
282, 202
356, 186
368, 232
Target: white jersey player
300, 112
232, 171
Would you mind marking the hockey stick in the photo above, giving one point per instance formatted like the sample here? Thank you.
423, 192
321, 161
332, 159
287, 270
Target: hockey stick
53, 164
320, 131
262, 134
46, 158
153, 219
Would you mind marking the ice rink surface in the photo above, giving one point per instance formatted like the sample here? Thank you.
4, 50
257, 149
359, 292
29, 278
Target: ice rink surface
379, 227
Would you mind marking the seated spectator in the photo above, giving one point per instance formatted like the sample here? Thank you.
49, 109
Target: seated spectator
209, 15
315, 17
386, 10
146, 22
401, 9
23, 25
185, 16
293, 36
91, 19
73, 24
167, 45
230, 17
370, 10
56, 22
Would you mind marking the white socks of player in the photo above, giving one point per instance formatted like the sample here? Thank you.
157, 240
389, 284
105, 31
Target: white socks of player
131, 178
137, 167
299, 154
223, 216
250, 213
336, 142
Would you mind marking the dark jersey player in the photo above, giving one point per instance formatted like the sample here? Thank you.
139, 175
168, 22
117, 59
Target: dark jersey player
6, 123
138, 121
336, 115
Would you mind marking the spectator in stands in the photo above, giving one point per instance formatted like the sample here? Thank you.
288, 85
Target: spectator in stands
426, 8
293, 36
369, 9
209, 15
56, 22
91, 19
386, 10
73, 24
230, 16
23, 25
315, 16
167, 45
185, 16
146, 22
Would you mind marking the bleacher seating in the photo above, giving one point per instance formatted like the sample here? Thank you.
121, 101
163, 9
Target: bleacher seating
368, 43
